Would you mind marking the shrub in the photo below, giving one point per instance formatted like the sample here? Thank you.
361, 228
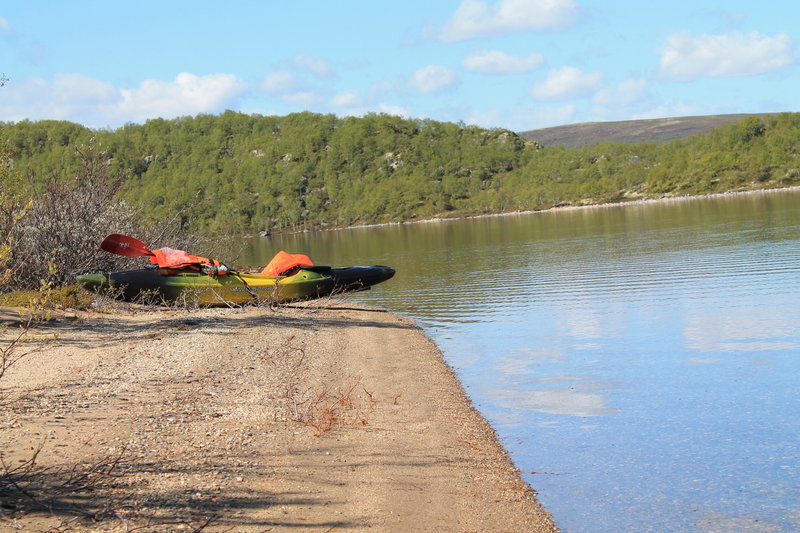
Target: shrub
58, 236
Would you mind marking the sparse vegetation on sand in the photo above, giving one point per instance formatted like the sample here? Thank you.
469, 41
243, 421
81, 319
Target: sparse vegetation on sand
311, 418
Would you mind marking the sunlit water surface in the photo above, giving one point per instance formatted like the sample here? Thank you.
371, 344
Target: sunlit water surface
641, 363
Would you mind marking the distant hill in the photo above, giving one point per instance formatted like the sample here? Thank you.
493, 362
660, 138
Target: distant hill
241, 173
658, 131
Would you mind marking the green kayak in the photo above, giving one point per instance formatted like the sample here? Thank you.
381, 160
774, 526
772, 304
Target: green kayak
305, 283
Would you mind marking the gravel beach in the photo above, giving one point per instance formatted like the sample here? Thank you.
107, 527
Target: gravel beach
321, 417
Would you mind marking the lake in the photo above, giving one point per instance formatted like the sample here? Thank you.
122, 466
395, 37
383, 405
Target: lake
640, 363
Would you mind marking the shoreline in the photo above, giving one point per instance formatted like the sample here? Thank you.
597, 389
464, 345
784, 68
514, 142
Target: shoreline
606, 205
324, 416
558, 208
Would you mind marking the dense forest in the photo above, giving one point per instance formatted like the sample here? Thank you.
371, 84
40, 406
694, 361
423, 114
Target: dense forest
239, 173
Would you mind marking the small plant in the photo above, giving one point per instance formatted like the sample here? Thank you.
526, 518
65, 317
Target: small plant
325, 407
330, 409
22, 344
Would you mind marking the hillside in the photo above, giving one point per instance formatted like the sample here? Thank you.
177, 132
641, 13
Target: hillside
657, 131
250, 173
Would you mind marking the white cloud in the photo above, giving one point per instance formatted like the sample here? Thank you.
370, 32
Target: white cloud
98, 104
351, 103
290, 89
677, 109
567, 82
388, 109
76, 89
280, 83
687, 57
318, 67
626, 93
346, 99
474, 18
525, 118
433, 78
305, 99
5, 26
67, 97
497, 62
186, 95
623, 101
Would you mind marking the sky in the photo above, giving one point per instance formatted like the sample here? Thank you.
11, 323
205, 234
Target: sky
515, 64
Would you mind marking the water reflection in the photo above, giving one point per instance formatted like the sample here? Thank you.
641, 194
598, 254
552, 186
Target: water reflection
744, 329
645, 357
576, 396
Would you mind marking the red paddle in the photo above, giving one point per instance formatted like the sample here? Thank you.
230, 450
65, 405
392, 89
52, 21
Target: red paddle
124, 245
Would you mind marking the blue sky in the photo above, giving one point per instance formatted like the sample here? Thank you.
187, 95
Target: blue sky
517, 64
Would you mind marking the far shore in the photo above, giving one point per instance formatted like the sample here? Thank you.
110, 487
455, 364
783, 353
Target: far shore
563, 207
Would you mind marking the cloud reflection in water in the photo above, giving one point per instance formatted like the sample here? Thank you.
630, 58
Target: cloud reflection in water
579, 398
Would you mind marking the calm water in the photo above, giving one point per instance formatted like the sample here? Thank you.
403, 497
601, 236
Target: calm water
641, 364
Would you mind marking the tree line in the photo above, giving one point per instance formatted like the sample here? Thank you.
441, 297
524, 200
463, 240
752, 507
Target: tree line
237, 173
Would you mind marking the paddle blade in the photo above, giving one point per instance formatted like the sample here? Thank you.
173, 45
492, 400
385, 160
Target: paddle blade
124, 245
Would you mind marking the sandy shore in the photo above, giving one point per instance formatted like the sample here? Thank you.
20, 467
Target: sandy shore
327, 418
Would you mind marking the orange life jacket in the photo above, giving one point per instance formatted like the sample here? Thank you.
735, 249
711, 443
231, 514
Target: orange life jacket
283, 264
176, 260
